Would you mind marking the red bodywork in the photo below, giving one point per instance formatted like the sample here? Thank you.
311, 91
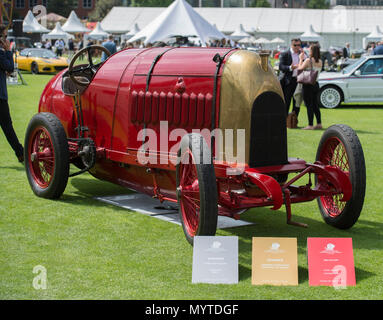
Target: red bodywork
114, 112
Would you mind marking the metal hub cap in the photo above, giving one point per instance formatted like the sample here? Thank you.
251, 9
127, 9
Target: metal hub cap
330, 98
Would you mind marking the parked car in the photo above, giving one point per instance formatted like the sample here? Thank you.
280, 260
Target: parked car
343, 63
98, 116
40, 61
361, 81
21, 42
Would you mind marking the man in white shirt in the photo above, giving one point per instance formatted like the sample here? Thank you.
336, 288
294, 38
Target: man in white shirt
48, 45
60, 45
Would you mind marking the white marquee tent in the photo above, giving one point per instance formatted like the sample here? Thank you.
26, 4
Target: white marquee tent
30, 24
335, 26
98, 33
374, 36
277, 40
74, 24
179, 19
58, 33
133, 31
262, 40
247, 40
239, 33
310, 35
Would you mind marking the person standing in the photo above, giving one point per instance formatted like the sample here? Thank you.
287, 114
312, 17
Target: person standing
370, 49
288, 67
59, 44
378, 49
70, 47
110, 45
346, 51
7, 66
310, 92
48, 45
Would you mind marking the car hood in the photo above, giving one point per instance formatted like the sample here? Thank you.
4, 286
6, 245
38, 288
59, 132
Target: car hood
53, 60
323, 76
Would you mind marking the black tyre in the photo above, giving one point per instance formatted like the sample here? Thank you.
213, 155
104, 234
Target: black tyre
46, 156
34, 68
196, 188
330, 97
340, 147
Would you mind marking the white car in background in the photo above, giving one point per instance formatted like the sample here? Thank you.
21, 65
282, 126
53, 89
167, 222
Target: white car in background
361, 81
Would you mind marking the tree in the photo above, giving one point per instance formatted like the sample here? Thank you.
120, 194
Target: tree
318, 4
151, 3
61, 7
102, 8
259, 3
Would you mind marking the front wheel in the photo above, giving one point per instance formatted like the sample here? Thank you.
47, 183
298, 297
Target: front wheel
196, 188
46, 156
330, 97
340, 147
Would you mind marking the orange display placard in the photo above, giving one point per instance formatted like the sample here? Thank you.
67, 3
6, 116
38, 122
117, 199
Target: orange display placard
331, 262
275, 261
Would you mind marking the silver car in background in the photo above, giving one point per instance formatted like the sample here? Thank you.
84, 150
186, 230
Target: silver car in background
361, 81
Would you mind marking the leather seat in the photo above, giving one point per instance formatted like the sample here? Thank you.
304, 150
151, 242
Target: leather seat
70, 88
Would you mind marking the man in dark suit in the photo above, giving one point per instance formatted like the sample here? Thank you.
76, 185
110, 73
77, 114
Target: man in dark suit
288, 68
6, 65
346, 51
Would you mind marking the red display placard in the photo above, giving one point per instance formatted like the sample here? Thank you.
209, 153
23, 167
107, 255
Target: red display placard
331, 262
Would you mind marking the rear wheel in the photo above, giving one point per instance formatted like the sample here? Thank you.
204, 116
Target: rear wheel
46, 156
34, 68
196, 188
340, 147
330, 97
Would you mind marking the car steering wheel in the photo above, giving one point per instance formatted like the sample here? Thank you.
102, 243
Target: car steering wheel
89, 69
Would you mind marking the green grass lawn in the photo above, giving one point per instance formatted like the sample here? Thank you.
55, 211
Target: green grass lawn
93, 250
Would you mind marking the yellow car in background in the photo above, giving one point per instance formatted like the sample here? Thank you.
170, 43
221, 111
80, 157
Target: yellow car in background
40, 61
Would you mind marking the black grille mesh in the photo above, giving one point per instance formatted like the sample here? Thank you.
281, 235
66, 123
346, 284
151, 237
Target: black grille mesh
268, 139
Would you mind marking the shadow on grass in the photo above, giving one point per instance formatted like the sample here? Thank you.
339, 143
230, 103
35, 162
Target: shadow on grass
87, 189
325, 128
95, 188
17, 168
243, 272
360, 106
366, 132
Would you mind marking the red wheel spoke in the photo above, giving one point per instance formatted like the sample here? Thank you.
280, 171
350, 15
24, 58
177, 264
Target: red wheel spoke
45, 157
192, 200
48, 167
185, 174
190, 197
334, 154
190, 193
42, 153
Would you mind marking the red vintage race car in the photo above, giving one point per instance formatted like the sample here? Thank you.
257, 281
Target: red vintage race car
158, 120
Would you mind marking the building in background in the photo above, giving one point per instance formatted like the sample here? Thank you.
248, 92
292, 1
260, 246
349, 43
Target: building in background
359, 4
288, 3
237, 3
